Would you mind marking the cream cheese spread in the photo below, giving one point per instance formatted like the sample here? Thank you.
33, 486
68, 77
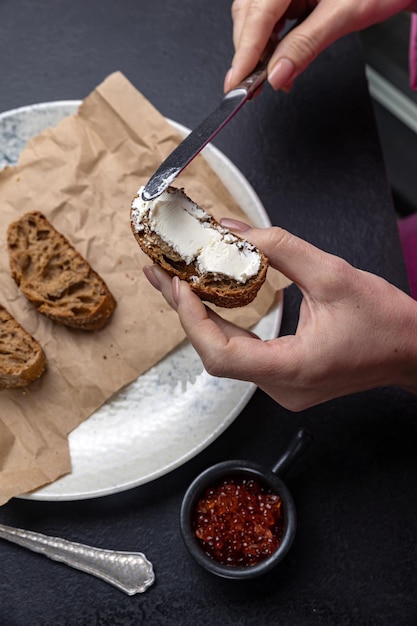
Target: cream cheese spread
187, 229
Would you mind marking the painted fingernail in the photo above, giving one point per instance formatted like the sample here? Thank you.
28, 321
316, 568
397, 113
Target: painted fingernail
232, 224
176, 290
281, 73
150, 275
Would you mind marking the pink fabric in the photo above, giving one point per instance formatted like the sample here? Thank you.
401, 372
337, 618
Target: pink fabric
408, 235
408, 225
413, 52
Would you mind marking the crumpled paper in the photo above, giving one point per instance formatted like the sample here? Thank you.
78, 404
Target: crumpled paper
82, 174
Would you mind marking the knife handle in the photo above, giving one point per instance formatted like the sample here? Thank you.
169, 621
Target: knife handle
252, 82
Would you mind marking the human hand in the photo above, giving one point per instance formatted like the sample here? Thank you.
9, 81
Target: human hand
323, 22
355, 331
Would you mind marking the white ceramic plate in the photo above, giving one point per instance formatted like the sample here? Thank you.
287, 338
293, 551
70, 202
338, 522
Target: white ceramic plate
173, 411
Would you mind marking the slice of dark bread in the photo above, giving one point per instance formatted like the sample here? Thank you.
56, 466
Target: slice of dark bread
22, 359
55, 277
219, 287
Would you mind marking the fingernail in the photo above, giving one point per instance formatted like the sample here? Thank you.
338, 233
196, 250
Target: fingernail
176, 290
150, 275
232, 224
281, 73
228, 79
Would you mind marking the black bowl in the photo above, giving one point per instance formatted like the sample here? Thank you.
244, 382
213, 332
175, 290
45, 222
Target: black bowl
268, 478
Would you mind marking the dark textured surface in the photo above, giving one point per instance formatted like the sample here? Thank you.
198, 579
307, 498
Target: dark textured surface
314, 159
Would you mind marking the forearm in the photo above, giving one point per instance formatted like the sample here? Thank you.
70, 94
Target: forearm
407, 369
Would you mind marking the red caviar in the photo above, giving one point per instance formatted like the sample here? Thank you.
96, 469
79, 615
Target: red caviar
238, 522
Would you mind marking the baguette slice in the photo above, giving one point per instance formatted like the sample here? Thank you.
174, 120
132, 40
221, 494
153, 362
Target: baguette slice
172, 230
22, 359
55, 277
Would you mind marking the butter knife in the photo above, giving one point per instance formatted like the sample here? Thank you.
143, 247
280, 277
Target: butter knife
185, 152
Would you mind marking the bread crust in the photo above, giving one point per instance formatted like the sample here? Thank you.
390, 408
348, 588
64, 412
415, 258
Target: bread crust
22, 359
219, 289
55, 277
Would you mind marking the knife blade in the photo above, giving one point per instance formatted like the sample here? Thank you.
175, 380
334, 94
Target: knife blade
185, 152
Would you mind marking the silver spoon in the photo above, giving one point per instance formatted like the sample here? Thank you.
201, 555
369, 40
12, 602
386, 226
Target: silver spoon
130, 572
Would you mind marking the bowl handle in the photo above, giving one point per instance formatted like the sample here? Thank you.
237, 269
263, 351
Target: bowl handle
297, 446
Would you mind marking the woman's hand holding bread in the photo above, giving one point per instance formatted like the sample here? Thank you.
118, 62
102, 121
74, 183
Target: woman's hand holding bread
355, 331
186, 241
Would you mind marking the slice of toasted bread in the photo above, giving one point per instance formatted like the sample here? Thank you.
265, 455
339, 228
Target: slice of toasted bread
186, 241
55, 277
22, 359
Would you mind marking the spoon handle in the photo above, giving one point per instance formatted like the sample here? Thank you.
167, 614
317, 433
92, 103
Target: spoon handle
130, 572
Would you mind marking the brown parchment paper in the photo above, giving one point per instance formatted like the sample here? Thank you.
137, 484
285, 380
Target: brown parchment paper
82, 174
